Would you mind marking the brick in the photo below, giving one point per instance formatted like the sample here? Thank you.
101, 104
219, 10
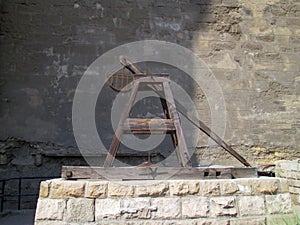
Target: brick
195, 207
120, 190
153, 189
65, 189
251, 205
50, 209
184, 187
44, 189
167, 208
96, 189
107, 208
209, 188
265, 186
80, 210
277, 204
223, 206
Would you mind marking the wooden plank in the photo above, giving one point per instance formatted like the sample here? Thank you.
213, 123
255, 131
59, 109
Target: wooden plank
137, 125
117, 138
181, 150
155, 173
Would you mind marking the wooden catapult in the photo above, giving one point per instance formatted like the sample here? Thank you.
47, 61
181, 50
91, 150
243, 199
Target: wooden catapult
159, 84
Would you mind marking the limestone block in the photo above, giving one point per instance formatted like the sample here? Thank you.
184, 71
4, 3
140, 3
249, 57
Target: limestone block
282, 219
209, 188
44, 189
245, 186
251, 205
96, 189
153, 189
80, 210
228, 187
184, 187
223, 206
64, 189
265, 186
195, 207
280, 203
120, 190
283, 185
214, 222
50, 209
167, 208
294, 190
295, 199
294, 183
107, 208
249, 221
136, 208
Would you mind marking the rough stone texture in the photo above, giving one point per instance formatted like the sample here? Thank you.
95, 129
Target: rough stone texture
251, 205
120, 190
107, 208
265, 187
96, 189
210, 187
163, 206
44, 189
280, 203
291, 171
166, 208
184, 187
154, 189
80, 210
50, 209
64, 189
223, 206
195, 207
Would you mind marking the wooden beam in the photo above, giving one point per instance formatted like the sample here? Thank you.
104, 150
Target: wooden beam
155, 173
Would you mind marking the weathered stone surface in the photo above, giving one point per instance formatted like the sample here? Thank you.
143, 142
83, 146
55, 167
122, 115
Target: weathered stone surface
96, 189
50, 209
251, 205
245, 186
229, 187
195, 207
107, 208
167, 208
282, 219
120, 190
154, 189
136, 208
249, 221
63, 189
265, 186
223, 206
214, 222
210, 188
44, 189
184, 187
80, 210
280, 203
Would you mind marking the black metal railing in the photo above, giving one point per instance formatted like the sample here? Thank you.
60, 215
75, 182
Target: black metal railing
16, 193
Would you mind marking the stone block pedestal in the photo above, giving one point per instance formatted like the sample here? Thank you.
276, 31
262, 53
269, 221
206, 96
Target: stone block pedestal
236, 201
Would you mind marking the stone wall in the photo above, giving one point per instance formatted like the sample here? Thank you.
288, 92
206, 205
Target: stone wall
290, 171
251, 47
239, 201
